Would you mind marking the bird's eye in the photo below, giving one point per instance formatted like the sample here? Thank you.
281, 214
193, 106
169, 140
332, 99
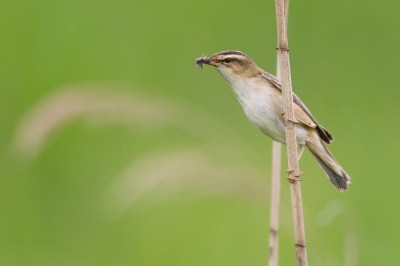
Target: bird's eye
227, 60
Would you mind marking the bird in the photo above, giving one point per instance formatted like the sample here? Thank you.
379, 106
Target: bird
260, 95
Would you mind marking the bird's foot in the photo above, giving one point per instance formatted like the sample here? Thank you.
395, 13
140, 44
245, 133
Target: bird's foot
293, 178
299, 175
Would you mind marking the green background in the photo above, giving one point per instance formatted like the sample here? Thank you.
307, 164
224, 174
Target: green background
116, 150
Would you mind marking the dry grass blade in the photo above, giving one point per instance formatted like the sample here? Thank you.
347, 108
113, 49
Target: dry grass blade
102, 104
160, 175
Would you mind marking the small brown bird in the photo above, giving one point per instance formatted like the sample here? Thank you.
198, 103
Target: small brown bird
260, 95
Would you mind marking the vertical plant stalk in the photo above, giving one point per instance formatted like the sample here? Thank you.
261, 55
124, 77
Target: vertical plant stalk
293, 172
276, 184
275, 202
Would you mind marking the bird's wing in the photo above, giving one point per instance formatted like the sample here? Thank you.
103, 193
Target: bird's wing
323, 133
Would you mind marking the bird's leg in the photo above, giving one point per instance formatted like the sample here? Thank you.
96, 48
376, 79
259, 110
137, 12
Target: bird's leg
289, 176
302, 147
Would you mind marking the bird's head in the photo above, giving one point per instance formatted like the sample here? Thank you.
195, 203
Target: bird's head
231, 64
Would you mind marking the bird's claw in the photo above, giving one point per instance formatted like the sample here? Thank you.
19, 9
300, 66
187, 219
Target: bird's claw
296, 177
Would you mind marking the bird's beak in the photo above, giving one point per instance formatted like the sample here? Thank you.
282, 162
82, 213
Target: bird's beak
213, 63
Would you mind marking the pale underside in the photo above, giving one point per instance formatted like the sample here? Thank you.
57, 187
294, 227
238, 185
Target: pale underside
262, 104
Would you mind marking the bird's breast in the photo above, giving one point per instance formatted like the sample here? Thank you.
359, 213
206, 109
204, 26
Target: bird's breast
262, 104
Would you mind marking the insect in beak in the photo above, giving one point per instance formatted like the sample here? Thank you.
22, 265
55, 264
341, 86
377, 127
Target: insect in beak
201, 61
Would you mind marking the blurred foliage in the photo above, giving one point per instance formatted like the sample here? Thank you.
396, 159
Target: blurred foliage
116, 150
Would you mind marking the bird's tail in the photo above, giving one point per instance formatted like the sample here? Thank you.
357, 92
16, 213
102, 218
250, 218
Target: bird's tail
339, 178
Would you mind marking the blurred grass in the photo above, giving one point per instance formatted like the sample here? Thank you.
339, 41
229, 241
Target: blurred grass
344, 67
